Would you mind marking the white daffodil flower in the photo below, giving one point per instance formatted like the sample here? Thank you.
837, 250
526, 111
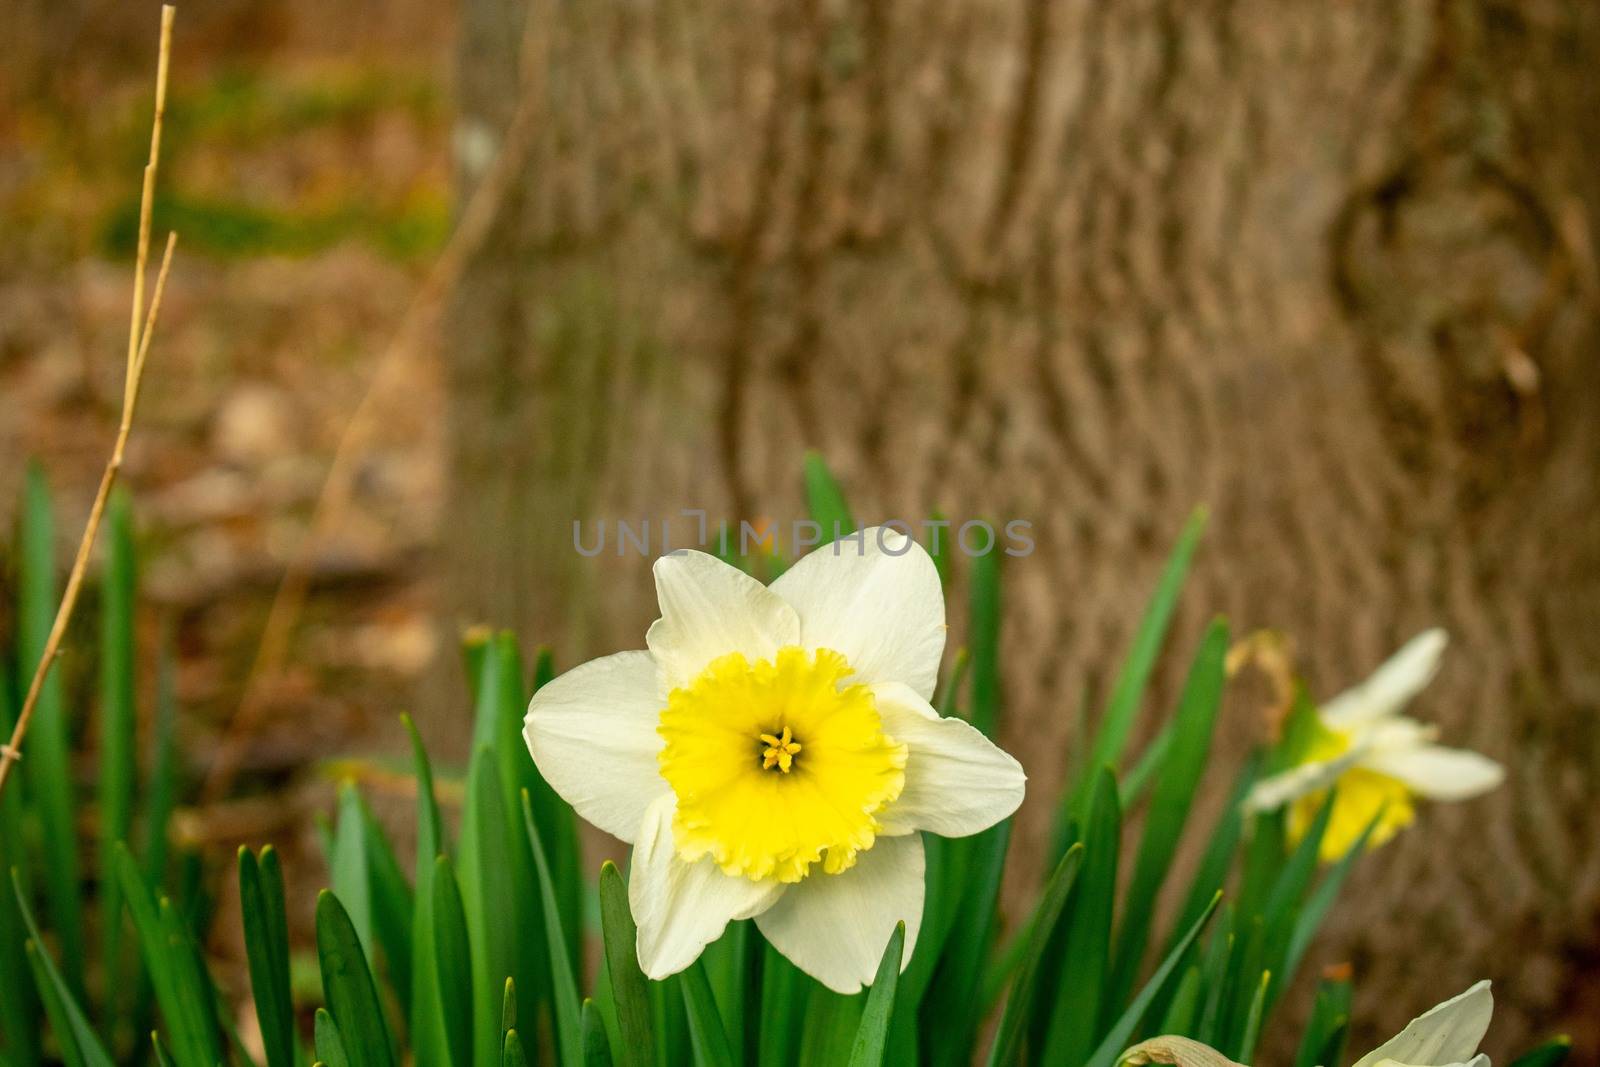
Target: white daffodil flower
1447, 1035
773, 755
1380, 760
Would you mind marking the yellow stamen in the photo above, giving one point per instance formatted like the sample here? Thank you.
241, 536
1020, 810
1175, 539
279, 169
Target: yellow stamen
780, 751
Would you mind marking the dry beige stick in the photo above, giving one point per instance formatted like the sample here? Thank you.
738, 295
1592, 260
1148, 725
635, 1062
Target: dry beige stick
477, 220
140, 328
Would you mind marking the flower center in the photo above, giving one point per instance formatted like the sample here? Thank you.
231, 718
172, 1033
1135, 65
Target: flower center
750, 794
780, 751
1362, 795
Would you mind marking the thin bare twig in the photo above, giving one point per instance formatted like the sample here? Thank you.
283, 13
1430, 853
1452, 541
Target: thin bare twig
141, 326
478, 217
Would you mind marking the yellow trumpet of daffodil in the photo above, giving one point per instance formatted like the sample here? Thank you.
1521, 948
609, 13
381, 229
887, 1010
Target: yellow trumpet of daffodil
1378, 760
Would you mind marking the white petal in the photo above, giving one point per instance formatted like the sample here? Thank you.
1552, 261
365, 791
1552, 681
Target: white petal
1480, 1060
958, 782
680, 907
1278, 790
835, 926
709, 609
1447, 1034
1439, 773
1401, 677
592, 733
877, 601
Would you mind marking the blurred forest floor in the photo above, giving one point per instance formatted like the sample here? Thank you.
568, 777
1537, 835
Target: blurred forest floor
305, 166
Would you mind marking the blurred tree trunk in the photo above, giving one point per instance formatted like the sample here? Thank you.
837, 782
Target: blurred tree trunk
1325, 267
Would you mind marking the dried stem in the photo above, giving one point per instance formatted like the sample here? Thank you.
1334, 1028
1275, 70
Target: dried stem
141, 326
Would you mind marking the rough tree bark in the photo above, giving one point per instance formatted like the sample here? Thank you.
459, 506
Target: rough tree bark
1325, 267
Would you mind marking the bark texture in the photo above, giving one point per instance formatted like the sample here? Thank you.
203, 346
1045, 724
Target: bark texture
1325, 267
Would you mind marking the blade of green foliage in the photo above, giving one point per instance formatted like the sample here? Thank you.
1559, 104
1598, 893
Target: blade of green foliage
596, 1045
157, 1049
1316, 907
430, 835
1217, 968
630, 990
160, 795
326, 1039
511, 1052
1122, 1031
706, 1029
872, 1036
1221, 847
1246, 1048
488, 896
1085, 935
1116, 726
348, 988
392, 905
671, 1021
1322, 1041
501, 704
1283, 907
984, 639
64, 1015
783, 995
452, 956
1138, 778
1550, 1054
825, 500
952, 1009
558, 823
1007, 1045
67, 1018
19, 1005
428, 1039
349, 872
47, 770
727, 963
177, 973
508, 1009
1181, 767
568, 1005
117, 722
266, 941
161, 787
1184, 1009
830, 1025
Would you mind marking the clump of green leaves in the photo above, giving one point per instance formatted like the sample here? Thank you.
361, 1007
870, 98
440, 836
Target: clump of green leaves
475, 957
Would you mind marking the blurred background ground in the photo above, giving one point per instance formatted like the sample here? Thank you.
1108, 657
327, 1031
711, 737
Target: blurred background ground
306, 166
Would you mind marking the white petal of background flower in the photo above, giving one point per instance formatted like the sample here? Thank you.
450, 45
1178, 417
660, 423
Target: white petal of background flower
834, 927
958, 782
710, 609
1444, 1035
592, 733
1439, 773
1278, 790
1401, 677
880, 604
681, 908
